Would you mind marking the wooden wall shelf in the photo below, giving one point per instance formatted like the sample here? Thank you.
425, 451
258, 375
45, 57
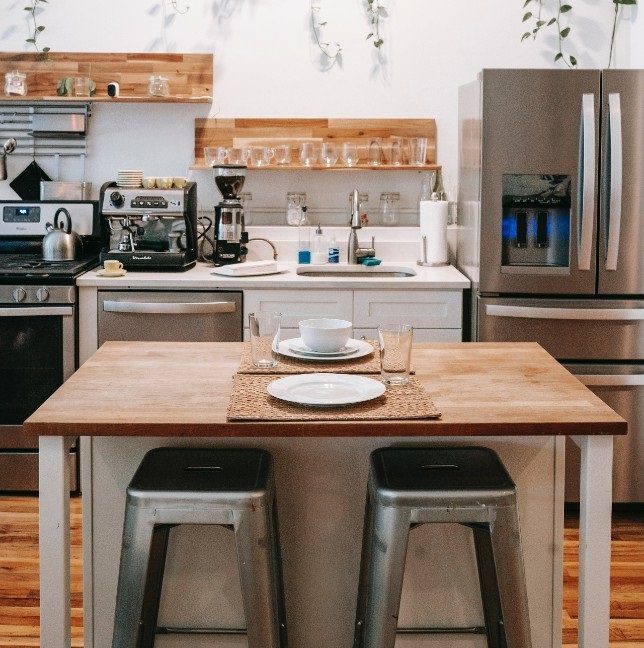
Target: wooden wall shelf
242, 132
336, 167
190, 75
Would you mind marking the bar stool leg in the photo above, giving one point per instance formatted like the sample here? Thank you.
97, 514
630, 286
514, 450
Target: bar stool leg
508, 558
388, 553
365, 571
135, 552
255, 556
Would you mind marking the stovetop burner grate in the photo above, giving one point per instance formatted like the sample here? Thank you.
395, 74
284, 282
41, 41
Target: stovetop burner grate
32, 265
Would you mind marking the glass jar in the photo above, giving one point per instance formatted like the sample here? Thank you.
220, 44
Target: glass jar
295, 204
363, 208
159, 86
245, 198
389, 208
15, 83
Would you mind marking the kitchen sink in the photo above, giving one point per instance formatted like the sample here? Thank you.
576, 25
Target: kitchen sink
355, 271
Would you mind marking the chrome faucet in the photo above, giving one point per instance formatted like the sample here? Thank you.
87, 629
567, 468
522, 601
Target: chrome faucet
355, 252
8, 147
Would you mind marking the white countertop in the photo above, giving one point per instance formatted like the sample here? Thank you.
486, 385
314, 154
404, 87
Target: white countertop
441, 278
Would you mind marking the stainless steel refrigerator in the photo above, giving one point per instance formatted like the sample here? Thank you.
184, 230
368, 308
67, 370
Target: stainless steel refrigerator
551, 231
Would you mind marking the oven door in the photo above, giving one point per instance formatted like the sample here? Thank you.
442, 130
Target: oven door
37, 354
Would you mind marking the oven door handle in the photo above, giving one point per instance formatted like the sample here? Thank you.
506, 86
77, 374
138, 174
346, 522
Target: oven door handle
179, 308
544, 312
37, 311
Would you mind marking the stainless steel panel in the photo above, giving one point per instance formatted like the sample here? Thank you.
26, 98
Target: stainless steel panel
532, 124
580, 329
59, 124
165, 316
19, 471
622, 388
623, 182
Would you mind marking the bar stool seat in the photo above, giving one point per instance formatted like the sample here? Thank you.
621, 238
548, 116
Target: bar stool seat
464, 485
228, 487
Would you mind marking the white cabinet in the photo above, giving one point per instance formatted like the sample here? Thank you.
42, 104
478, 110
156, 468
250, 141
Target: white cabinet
420, 335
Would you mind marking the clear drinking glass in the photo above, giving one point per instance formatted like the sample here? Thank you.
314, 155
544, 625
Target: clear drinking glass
264, 338
397, 156
395, 352
308, 153
375, 151
159, 86
261, 155
15, 83
236, 155
283, 154
214, 155
329, 154
349, 154
82, 86
417, 150
389, 208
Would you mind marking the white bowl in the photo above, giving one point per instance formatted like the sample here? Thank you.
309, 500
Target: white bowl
325, 335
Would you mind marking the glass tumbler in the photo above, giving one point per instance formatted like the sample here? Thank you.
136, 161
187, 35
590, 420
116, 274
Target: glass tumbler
349, 154
214, 155
283, 154
375, 152
236, 155
264, 338
159, 86
261, 155
389, 208
308, 153
329, 154
82, 86
417, 150
395, 352
397, 156
15, 83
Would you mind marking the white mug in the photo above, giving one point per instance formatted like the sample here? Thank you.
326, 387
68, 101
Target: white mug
112, 265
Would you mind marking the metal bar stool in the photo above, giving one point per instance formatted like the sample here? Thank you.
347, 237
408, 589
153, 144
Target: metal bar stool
174, 486
466, 485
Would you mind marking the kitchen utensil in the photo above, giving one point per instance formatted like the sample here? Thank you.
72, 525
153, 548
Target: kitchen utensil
329, 154
362, 349
7, 148
130, 179
61, 243
165, 183
349, 154
65, 190
249, 269
325, 389
389, 208
309, 152
264, 336
395, 352
417, 150
149, 183
108, 273
27, 183
325, 335
231, 236
179, 182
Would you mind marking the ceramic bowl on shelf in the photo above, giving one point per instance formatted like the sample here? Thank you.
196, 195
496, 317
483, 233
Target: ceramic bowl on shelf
325, 335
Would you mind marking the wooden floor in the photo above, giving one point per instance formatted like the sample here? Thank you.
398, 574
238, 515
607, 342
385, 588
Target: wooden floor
19, 577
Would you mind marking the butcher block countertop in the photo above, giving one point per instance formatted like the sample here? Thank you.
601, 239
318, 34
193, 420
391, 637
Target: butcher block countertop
182, 390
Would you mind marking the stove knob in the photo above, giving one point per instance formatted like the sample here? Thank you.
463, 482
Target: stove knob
19, 294
117, 199
42, 294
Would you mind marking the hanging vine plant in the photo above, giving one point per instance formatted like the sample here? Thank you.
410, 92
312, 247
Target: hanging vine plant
331, 52
536, 20
36, 28
376, 11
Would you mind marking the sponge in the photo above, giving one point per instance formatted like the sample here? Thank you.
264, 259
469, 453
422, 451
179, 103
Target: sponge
371, 261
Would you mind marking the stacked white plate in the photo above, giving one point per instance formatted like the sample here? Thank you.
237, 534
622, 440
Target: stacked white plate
297, 349
129, 179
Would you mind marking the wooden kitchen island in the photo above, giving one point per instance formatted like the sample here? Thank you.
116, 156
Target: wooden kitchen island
515, 398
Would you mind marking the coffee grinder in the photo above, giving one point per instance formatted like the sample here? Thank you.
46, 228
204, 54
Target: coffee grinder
230, 231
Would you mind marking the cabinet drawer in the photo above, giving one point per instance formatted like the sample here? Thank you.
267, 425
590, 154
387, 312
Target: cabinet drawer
420, 308
286, 334
420, 335
296, 305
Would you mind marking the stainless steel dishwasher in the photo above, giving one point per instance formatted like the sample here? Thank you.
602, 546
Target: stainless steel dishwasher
169, 316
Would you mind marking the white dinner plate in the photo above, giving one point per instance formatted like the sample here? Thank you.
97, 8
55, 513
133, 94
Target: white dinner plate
297, 346
361, 349
326, 389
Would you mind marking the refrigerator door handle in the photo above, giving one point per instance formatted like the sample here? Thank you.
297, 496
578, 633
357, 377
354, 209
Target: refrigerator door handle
614, 215
549, 312
611, 380
587, 181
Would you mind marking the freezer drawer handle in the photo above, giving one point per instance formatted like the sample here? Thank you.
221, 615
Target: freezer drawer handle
611, 380
614, 216
37, 311
587, 171
160, 308
542, 312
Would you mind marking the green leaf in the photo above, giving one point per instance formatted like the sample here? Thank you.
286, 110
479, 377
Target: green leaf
552, 21
526, 3
27, 8
46, 49
30, 40
559, 56
40, 28
526, 35
541, 23
382, 12
369, 35
565, 8
564, 32
527, 16
378, 43
573, 61
625, 2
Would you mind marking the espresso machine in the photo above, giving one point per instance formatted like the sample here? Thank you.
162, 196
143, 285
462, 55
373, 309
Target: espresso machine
230, 231
150, 229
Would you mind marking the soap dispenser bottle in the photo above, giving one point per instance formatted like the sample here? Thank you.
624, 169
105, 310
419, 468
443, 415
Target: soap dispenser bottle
319, 247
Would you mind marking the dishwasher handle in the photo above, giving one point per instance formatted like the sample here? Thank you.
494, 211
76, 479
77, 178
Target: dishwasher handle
169, 308
611, 380
545, 312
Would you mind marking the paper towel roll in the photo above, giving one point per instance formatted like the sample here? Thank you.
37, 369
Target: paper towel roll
433, 225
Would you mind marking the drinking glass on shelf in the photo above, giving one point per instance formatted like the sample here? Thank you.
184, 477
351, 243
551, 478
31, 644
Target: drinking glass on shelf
214, 155
264, 338
395, 352
417, 150
283, 154
15, 83
349, 154
159, 86
261, 155
329, 154
389, 208
82, 86
236, 155
375, 152
308, 153
397, 155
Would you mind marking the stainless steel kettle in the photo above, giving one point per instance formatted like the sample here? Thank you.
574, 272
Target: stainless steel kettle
61, 243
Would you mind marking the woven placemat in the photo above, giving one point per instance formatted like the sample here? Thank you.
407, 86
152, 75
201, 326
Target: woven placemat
369, 364
250, 401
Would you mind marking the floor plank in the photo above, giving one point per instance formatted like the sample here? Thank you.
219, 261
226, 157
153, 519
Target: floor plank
19, 577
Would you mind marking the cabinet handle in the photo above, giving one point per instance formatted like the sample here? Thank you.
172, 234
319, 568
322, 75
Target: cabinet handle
536, 312
161, 308
587, 171
611, 380
37, 311
614, 216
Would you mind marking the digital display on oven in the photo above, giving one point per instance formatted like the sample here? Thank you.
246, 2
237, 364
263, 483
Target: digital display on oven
16, 214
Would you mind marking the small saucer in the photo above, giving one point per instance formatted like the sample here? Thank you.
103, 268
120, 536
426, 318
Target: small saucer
117, 273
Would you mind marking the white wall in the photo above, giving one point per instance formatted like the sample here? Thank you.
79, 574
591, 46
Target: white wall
266, 65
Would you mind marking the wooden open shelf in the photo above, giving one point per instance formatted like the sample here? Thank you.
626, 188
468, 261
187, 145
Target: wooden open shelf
190, 75
240, 132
